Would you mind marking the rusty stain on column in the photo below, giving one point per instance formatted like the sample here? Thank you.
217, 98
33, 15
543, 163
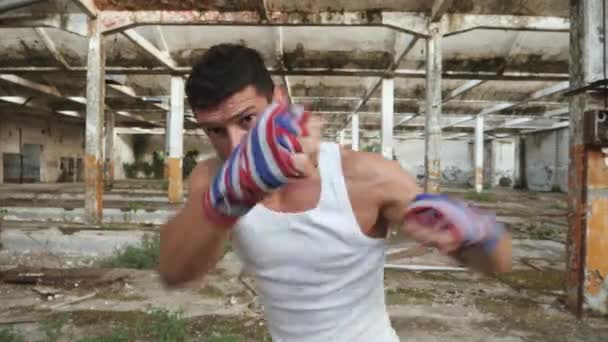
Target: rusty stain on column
109, 151
175, 130
174, 167
596, 264
93, 162
587, 252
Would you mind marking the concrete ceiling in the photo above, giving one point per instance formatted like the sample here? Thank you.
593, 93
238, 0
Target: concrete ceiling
329, 68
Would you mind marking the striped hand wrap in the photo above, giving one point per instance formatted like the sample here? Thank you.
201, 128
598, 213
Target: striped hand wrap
262, 163
469, 225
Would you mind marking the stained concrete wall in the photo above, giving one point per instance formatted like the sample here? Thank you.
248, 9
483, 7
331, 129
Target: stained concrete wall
503, 163
58, 139
456, 166
547, 160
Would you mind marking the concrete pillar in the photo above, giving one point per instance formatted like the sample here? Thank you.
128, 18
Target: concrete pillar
342, 137
109, 150
355, 132
176, 140
479, 153
432, 138
587, 241
95, 108
388, 108
167, 135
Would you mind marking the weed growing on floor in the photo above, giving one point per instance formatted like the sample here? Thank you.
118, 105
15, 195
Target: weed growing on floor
143, 256
53, 327
163, 325
118, 334
480, 197
10, 335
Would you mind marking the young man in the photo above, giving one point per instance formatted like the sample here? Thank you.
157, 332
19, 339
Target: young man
308, 219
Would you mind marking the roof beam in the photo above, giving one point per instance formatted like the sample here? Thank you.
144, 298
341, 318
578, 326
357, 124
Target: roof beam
149, 48
554, 89
399, 73
8, 5
39, 87
440, 7
394, 65
407, 22
50, 45
76, 23
460, 23
88, 7
462, 89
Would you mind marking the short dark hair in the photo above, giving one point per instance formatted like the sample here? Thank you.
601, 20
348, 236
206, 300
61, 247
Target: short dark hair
224, 70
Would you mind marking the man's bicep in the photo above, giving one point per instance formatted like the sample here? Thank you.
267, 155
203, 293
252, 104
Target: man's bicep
400, 190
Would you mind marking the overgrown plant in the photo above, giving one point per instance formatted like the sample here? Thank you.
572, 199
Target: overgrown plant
145, 255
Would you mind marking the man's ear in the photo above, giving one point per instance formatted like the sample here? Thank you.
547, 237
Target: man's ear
279, 94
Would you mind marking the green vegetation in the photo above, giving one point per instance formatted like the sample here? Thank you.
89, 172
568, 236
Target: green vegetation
143, 256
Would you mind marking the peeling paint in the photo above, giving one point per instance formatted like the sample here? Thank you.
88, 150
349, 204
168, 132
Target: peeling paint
596, 298
93, 170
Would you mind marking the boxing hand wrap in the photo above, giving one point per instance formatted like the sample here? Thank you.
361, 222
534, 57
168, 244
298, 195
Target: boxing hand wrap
263, 162
470, 226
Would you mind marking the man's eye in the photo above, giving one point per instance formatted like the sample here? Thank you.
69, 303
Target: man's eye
214, 130
247, 119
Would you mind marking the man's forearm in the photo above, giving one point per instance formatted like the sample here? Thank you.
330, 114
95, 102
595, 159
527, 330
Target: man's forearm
190, 247
499, 260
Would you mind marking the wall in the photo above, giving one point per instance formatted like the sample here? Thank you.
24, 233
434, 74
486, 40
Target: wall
547, 160
456, 166
504, 163
59, 139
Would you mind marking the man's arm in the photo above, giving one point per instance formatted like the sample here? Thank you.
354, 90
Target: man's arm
400, 189
191, 245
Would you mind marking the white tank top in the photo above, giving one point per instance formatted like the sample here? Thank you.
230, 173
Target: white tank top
319, 277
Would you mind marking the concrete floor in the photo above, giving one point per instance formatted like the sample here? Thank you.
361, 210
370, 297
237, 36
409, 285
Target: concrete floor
42, 230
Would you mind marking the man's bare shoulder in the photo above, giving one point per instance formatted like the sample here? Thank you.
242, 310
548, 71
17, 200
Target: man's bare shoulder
367, 165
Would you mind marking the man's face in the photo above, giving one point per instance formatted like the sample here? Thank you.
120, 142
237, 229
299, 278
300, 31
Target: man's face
227, 123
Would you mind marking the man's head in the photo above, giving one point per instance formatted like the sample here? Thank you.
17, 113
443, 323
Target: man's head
227, 88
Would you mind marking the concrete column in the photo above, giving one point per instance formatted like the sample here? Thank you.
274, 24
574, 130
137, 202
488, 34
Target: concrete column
176, 140
109, 150
432, 137
93, 171
355, 132
479, 153
587, 241
388, 108
342, 137
167, 135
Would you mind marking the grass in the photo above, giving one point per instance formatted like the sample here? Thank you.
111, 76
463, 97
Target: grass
157, 325
480, 197
143, 256
10, 335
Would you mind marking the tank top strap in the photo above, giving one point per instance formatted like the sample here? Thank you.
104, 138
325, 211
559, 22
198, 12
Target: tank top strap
333, 185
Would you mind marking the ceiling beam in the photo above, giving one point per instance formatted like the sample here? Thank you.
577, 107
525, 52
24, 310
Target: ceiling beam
76, 23
139, 40
440, 7
50, 45
459, 23
394, 65
39, 87
88, 7
462, 89
8, 5
413, 23
399, 73
554, 89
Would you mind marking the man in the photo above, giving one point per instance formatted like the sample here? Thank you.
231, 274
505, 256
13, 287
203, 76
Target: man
308, 219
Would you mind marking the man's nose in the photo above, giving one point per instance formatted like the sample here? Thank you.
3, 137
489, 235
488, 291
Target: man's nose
235, 135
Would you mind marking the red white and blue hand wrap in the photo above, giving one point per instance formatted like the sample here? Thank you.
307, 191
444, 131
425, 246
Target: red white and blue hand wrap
263, 162
469, 225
